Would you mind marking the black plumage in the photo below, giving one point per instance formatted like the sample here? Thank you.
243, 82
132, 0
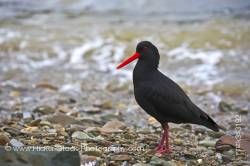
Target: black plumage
161, 97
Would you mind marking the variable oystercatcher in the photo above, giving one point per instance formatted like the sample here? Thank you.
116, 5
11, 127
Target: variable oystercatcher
161, 97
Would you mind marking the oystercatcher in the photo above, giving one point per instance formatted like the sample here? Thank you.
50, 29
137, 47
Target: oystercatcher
161, 97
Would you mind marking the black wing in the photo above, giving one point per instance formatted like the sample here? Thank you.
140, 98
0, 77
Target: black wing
171, 104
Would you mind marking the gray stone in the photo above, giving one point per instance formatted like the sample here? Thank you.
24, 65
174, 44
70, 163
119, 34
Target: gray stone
39, 158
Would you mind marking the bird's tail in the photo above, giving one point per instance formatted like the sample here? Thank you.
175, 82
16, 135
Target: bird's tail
210, 123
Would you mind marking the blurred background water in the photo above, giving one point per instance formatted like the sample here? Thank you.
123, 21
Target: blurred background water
76, 44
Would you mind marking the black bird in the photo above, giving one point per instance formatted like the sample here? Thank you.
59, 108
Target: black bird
161, 97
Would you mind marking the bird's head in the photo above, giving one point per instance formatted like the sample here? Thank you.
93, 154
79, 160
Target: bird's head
146, 52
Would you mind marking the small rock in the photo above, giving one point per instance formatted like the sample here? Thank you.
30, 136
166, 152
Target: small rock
92, 110
200, 130
104, 104
45, 123
178, 141
16, 143
51, 130
121, 157
227, 158
215, 134
12, 131
189, 156
30, 130
4, 139
141, 164
44, 110
16, 115
221, 148
219, 157
85, 136
199, 161
62, 119
27, 116
35, 122
158, 161
46, 85
207, 143
113, 126
93, 152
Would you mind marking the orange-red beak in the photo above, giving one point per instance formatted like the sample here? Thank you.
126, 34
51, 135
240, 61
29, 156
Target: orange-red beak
128, 60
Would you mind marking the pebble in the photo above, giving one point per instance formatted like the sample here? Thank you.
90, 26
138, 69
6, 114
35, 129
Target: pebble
35, 122
46, 85
207, 143
121, 157
27, 116
12, 131
94, 152
30, 130
155, 161
45, 123
113, 126
85, 136
92, 110
4, 139
16, 143
44, 110
178, 141
215, 134
62, 119
104, 104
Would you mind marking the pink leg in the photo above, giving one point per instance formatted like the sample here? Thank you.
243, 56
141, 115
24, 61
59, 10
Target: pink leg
161, 143
161, 148
168, 149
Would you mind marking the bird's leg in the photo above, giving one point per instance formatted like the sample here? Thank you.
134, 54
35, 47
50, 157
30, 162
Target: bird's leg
168, 149
161, 143
161, 148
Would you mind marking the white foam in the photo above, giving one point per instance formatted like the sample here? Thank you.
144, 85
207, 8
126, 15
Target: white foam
6, 35
206, 71
207, 57
77, 53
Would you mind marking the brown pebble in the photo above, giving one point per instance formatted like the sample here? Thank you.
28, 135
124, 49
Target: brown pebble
4, 139
121, 157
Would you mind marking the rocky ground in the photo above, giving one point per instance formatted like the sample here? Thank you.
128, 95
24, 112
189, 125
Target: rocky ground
60, 90
103, 135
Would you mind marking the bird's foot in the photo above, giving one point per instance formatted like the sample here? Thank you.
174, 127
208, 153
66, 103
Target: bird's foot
163, 150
